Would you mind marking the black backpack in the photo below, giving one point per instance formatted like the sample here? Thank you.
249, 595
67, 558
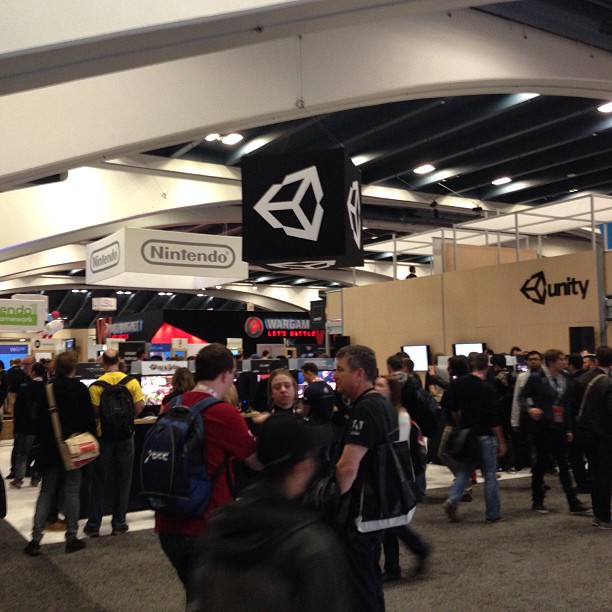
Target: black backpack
117, 410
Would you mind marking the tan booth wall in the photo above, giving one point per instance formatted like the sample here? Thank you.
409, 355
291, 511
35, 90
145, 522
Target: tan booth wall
476, 305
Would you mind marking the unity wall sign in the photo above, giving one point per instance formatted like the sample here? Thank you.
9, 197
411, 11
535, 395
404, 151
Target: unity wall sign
538, 290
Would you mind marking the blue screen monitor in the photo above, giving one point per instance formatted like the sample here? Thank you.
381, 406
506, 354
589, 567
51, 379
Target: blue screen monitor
12, 351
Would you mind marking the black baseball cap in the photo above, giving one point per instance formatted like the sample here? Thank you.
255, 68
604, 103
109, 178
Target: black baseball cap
284, 441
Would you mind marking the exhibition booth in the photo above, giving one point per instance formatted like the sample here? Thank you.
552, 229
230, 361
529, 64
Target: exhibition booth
538, 303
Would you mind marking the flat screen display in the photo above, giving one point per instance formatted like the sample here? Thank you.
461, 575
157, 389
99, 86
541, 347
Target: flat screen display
419, 353
326, 375
155, 388
12, 351
465, 348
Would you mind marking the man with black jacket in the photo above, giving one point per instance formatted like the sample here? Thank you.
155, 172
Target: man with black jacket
594, 428
549, 422
266, 552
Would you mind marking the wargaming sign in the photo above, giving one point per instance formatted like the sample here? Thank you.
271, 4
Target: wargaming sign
302, 208
254, 327
536, 289
165, 260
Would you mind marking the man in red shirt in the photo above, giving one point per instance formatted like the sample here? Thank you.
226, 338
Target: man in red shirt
226, 434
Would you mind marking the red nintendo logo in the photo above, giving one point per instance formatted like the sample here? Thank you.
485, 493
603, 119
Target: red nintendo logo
254, 327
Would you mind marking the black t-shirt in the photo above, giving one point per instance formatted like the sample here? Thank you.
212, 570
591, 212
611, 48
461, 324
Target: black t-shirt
15, 377
371, 418
477, 402
319, 396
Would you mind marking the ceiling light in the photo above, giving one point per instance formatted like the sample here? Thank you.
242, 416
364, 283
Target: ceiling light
573, 190
119, 292
424, 169
218, 287
606, 108
212, 137
501, 181
200, 295
231, 139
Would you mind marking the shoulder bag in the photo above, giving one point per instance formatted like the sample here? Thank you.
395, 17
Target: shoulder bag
387, 498
79, 449
462, 444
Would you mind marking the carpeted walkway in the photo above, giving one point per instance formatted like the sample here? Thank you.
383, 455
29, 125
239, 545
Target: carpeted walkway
530, 562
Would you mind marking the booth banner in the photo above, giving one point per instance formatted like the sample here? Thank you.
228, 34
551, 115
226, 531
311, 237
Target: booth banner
24, 315
104, 304
302, 210
144, 258
149, 368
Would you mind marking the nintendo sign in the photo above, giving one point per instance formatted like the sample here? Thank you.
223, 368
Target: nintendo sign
104, 304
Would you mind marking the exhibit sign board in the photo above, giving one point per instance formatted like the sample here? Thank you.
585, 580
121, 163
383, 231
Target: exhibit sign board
302, 210
24, 315
156, 259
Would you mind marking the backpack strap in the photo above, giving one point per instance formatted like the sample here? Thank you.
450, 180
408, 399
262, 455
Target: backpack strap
199, 408
101, 383
126, 379
586, 393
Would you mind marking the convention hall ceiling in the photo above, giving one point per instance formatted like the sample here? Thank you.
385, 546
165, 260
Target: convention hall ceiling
550, 148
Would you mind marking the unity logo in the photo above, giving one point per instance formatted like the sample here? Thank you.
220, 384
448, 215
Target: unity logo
304, 186
538, 290
353, 207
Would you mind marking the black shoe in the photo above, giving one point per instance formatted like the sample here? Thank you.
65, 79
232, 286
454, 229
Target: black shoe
91, 533
32, 549
391, 576
497, 519
421, 567
451, 511
74, 545
540, 509
10, 476
579, 508
120, 530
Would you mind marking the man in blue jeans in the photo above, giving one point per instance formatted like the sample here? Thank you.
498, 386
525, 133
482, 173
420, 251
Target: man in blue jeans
116, 455
474, 406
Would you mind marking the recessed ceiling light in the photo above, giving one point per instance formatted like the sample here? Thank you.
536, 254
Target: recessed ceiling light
218, 287
502, 181
573, 190
212, 137
231, 139
606, 108
424, 169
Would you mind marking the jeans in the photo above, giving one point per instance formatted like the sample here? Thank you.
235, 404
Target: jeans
23, 446
488, 466
117, 458
52, 478
185, 553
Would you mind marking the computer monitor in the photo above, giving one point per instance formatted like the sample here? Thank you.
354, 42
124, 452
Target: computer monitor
419, 353
465, 348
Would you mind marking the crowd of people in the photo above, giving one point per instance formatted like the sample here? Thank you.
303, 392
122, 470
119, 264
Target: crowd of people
293, 535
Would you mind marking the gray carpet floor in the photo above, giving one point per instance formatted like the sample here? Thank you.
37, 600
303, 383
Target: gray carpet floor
529, 562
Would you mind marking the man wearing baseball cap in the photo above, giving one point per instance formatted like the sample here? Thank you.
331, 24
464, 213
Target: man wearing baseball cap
267, 552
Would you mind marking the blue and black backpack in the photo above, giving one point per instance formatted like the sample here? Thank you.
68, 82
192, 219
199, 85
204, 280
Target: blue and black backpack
173, 473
